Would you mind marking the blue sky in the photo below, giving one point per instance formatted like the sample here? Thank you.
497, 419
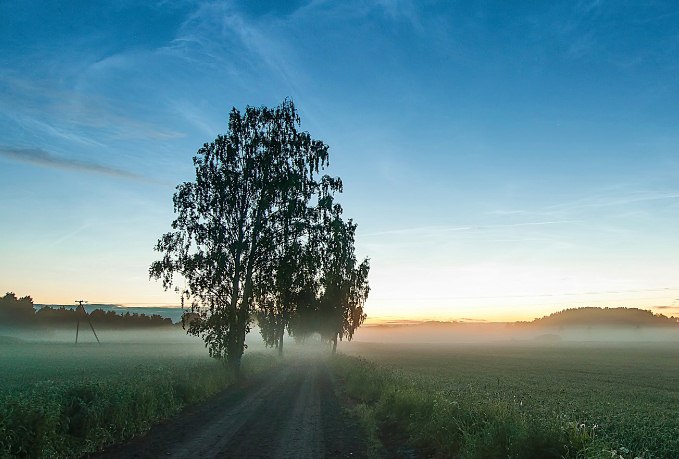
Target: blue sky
502, 160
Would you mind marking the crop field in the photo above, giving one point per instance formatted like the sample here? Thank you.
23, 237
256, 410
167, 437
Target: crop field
506, 400
65, 400
512, 400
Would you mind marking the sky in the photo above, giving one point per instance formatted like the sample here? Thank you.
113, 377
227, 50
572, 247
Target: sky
503, 160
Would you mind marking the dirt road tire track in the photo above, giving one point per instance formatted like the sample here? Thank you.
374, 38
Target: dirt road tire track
291, 412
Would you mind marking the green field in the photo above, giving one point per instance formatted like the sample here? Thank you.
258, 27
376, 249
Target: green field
65, 400
513, 400
453, 400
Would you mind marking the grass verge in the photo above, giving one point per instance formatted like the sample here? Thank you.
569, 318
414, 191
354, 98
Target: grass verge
398, 408
54, 418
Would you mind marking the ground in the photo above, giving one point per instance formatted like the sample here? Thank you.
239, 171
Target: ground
292, 412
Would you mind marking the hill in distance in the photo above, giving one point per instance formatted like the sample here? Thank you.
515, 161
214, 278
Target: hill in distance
576, 317
570, 325
614, 317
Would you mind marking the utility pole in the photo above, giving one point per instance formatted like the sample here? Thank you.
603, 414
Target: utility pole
79, 308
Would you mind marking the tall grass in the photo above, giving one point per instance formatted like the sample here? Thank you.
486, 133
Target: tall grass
418, 412
69, 416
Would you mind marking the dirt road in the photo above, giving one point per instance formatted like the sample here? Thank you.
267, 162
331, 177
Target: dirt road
292, 412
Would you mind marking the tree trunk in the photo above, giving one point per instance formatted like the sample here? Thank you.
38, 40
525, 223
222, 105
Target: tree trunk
232, 352
233, 363
280, 342
334, 345
236, 346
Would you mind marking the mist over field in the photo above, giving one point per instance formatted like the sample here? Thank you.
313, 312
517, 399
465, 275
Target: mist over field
67, 335
169, 335
511, 333
418, 379
433, 332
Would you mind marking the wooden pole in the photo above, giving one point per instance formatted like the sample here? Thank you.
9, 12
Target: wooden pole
79, 308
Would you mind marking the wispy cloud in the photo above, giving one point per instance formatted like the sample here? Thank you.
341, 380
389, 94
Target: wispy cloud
68, 235
220, 33
77, 115
428, 230
44, 158
615, 200
506, 212
405, 10
434, 230
258, 54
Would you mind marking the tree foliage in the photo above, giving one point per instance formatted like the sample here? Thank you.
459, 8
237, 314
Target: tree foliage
343, 280
326, 285
16, 311
239, 236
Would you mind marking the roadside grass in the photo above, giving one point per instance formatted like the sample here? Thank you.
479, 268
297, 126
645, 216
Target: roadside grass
440, 417
366, 418
61, 400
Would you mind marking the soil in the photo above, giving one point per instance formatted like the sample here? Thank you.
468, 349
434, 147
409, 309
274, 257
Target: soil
291, 412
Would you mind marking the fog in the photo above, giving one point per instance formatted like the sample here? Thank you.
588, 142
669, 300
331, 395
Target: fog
441, 332
169, 335
85, 335
425, 333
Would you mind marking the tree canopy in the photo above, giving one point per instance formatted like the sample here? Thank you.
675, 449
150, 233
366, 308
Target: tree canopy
16, 311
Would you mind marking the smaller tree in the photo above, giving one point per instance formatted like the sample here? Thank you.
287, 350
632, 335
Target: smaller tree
343, 281
281, 295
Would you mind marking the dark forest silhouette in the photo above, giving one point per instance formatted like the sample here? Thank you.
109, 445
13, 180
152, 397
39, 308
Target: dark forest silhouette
20, 312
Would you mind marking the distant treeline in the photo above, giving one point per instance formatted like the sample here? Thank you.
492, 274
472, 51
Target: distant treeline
591, 316
20, 312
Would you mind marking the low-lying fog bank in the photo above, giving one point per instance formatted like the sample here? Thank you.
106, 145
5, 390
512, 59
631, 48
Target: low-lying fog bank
494, 332
85, 335
420, 333
175, 334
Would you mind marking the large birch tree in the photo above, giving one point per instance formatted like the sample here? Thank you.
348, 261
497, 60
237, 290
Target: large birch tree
248, 196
